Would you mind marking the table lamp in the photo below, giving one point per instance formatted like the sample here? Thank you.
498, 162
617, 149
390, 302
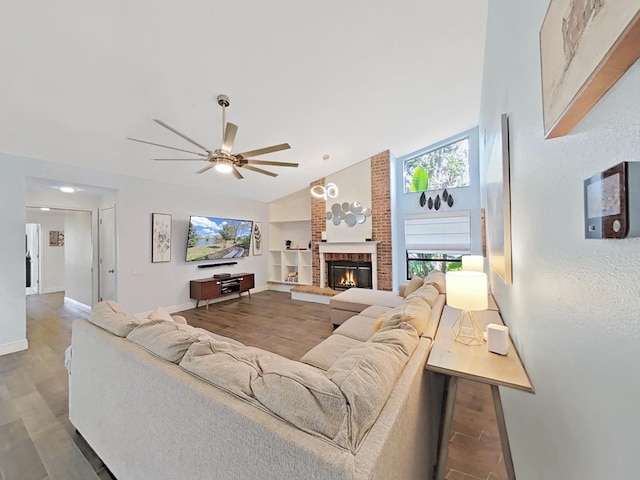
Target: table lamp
473, 263
467, 291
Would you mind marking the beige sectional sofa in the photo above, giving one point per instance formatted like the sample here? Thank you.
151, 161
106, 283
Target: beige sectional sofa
158, 399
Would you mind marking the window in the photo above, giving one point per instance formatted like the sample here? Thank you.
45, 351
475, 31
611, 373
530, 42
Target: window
437, 169
422, 263
436, 241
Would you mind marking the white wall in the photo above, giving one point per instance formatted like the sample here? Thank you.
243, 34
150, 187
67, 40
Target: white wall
78, 256
52, 258
165, 284
573, 306
13, 327
354, 185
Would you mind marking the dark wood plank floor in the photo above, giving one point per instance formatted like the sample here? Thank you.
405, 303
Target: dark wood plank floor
38, 442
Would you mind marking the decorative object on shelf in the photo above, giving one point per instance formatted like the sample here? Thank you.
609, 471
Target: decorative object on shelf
287, 244
257, 238
160, 237
499, 202
56, 238
323, 236
436, 203
222, 159
292, 277
473, 263
585, 47
330, 190
351, 213
423, 199
467, 291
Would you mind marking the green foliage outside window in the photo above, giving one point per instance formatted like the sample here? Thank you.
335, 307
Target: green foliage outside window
444, 167
422, 264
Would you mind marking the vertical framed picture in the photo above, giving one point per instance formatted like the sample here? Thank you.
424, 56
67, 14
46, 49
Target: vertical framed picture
498, 213
257, 238
585, 47
160, 237
56, 238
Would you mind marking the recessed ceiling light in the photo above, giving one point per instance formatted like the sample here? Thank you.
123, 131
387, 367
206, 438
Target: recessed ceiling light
45, 209
67, 189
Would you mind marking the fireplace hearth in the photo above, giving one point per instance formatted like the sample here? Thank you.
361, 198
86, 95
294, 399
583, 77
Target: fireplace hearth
345, 274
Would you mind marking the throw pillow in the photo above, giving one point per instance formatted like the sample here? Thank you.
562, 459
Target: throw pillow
160, 313
415, 283
437, 279
378, 324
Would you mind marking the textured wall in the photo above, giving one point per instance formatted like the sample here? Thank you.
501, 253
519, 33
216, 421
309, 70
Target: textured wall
574, 306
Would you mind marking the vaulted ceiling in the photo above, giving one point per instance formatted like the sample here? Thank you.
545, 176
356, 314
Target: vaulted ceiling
344, 78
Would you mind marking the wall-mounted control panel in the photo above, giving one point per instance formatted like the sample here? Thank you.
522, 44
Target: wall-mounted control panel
612, 202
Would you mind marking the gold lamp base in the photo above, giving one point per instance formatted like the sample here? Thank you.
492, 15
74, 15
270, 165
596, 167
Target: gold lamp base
465, 329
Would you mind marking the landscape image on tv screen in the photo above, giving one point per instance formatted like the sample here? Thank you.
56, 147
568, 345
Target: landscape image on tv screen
212, 238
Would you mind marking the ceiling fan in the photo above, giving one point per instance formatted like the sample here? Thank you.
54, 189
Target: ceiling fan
222, 159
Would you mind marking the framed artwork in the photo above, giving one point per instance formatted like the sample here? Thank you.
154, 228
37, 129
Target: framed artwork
498, 212
257, 238
56, 238
585, 47
160, 237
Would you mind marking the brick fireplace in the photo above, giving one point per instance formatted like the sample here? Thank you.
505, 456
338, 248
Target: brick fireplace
381, 229
348, 253
345, 274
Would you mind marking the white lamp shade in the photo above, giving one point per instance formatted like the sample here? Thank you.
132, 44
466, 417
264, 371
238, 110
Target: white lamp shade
473, 263
467, 290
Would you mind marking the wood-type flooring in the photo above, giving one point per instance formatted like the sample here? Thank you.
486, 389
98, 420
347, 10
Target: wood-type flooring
38, 442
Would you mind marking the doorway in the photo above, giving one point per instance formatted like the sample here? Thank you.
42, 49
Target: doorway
32, 258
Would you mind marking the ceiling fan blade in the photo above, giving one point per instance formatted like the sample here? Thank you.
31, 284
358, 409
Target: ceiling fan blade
236, 173
202, 170
180, 159
229, 136
263, 151
165, 146
259, 170
160, 122
251, 161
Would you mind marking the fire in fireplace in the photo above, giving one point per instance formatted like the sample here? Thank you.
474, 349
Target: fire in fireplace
345, 274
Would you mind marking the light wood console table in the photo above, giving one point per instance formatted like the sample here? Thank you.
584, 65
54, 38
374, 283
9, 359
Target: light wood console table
455, 360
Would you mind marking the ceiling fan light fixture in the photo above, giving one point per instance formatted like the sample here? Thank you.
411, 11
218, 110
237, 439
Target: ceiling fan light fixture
223, 166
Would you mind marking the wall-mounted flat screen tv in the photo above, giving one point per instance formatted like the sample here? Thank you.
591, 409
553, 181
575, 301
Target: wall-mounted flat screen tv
213, 238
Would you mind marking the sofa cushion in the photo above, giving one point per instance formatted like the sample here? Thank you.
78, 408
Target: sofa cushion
415, 312
415, 283
160, 313
437, 279
328, 351
374, 311
293, 391
367, 373
168, 340
357, 327
357, 299
112, 317
429, 293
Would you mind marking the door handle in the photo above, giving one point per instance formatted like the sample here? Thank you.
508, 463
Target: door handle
111, 271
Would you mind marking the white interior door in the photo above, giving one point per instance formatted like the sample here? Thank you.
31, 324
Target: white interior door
107, 253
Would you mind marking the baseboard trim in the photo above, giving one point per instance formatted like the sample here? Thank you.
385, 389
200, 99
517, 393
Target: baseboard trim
192, 304
80, 305
13, 347
52, 290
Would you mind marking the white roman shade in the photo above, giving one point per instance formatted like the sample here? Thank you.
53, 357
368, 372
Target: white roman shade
446, 232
